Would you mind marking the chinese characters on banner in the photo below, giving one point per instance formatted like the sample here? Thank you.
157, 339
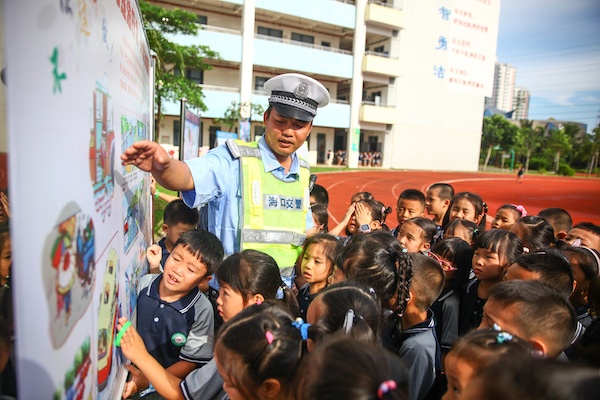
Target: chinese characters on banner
465, 44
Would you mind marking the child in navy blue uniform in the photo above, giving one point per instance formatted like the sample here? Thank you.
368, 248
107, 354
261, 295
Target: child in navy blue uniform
318, 260
454, 255
411, 204
178, 219
419, 348
586, 266
495, 250
174, 318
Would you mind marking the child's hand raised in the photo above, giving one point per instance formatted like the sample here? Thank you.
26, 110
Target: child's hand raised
154, 256
363, 214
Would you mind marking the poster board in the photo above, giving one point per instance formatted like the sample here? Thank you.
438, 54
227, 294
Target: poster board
190, 131
79, 91
223, 136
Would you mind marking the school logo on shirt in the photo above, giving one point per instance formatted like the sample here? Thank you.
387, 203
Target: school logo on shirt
178, 339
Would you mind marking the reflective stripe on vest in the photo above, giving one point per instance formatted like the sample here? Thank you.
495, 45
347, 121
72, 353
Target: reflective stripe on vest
273, 212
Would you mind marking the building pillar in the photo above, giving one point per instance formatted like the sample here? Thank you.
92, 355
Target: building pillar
247, 64
356, 87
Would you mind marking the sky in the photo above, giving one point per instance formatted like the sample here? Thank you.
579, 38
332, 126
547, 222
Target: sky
555, 47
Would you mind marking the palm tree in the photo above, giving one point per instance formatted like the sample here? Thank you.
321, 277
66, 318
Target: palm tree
560, 142
530, 139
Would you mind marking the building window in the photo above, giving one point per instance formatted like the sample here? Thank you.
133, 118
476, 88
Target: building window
299, 37
196, 75
202, 19
176, 132
326, 44
263, 30
259, 83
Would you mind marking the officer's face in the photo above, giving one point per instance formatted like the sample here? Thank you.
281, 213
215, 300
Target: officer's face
284, 135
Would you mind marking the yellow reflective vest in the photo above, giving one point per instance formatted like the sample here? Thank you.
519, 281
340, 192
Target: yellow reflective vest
273, 212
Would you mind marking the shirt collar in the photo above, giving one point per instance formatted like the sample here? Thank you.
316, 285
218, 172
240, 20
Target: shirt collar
271, 163
183, 304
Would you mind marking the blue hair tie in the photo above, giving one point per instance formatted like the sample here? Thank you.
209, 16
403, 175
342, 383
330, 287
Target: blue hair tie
279, 294
503, 337
303, 326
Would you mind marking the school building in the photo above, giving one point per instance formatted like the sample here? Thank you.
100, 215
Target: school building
406, 77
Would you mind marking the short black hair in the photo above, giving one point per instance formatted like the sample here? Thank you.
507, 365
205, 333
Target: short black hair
205, 246
320, 194
558, 218
588, 226
427, 281
446, 191
177, 212
553, 268
412, 194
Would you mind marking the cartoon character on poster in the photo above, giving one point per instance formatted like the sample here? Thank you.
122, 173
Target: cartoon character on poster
69, 270
108, 313
102, 151
79, 379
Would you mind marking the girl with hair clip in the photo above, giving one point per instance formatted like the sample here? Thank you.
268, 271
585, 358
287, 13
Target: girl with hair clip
417, 234
468, 206
379, 262
477, 350
246, 278
586, 267
495, 250
454, 255
535, 232
320, 217
507, 215
317, 262
363, 216
348, 308
258, 352
343, 369
463, 229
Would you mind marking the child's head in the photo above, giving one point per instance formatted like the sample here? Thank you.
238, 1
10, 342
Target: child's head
427, 281
549, 266
416, 234
343, 369
318, 259
559, 219
438, 199
178, 219
507, 215
320, 217
461, 228
535, 232
475, 351
346, 307
5, 254
495, 250
411, 203
376, 211
533, 378
377, 260
469, 206
584, 234
585, 263
361, 196
532, 311
195, 257
250, 277
257, 353
319, 195
459, 254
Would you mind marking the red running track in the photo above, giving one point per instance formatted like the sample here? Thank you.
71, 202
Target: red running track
579, 196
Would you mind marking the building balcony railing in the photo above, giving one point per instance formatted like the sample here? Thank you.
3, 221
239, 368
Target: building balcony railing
385, 15
377, 114
381, 64
302, 44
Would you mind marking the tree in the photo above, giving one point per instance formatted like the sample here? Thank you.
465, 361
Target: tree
530, 139
497, 131
172, 59
236, 112
560, 142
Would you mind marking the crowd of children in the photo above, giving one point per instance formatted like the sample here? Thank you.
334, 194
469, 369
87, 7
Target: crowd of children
435, 307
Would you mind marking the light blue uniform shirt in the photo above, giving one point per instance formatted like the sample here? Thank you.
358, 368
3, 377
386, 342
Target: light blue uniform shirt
217, 184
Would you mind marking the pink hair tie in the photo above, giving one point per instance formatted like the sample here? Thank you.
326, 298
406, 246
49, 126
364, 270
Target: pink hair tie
269, 336
520, 209
385, 387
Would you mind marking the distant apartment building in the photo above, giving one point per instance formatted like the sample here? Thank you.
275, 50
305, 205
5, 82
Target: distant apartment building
521, 104
503, 93
406, 77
